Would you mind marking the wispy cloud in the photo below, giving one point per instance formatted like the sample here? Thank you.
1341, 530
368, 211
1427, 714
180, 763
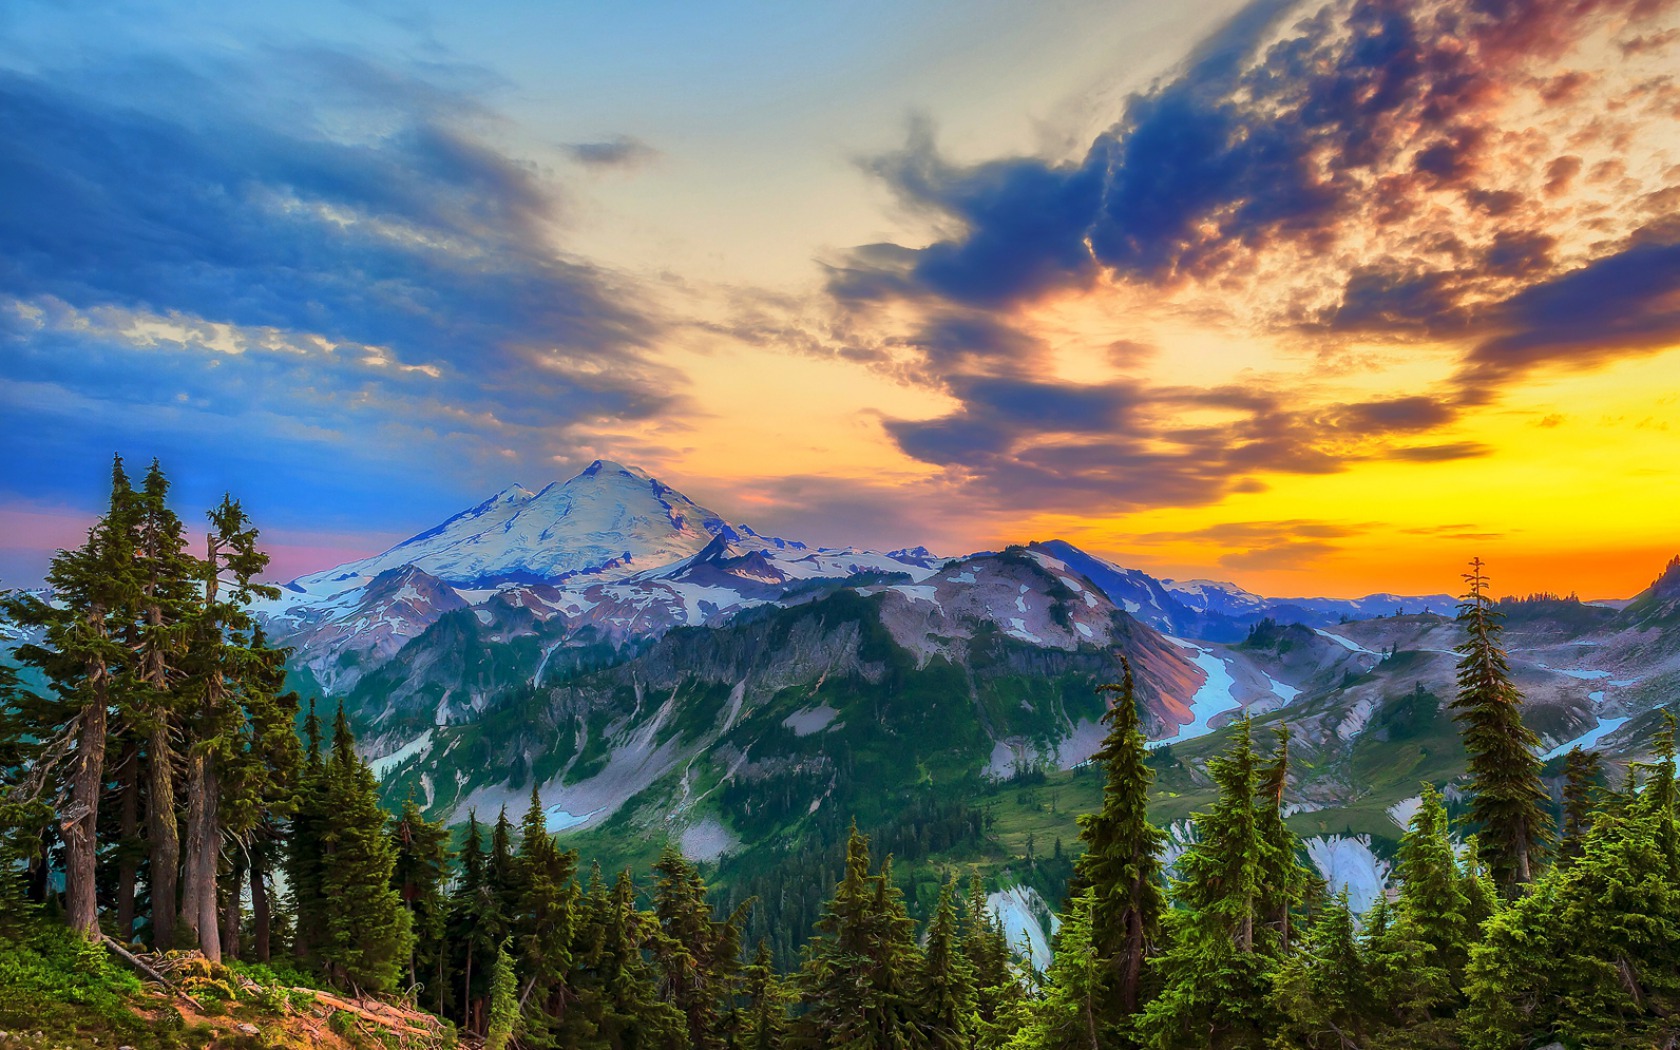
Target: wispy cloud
342, 301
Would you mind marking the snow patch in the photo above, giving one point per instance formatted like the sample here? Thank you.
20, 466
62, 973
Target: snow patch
1348, 863
420, 745
810, 720
1216, 696
1404, 810
1585, 741
707, 839
1017, 910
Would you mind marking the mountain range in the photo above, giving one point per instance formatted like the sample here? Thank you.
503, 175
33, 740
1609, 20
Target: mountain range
657, 672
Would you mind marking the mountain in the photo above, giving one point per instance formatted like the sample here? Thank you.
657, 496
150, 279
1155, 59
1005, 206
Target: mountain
1223, 612
658, 673
608, 521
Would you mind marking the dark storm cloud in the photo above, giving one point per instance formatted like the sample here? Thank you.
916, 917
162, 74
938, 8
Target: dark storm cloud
313, 288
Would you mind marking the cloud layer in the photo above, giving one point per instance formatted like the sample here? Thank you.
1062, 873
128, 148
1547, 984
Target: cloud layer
1482, 179
343, 288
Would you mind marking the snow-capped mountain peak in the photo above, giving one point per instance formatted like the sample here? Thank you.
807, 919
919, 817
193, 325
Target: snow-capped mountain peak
608, 521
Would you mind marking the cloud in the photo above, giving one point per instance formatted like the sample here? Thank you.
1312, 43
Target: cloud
622, 151
367, 286
1337, 173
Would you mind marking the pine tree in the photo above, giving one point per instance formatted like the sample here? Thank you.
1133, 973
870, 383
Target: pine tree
1507, 795
542, 922
1070, 1016
422, 868
83, 656
944, 986
504, 1003
1324, 993
365, 945
1216, 974
855, 969
1580, 778
1121, 862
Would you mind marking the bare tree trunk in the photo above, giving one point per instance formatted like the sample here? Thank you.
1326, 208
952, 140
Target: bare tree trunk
1132, 974
80, 824
198, 891
164, 834
261, 920
230, 908
198, 888
128, 821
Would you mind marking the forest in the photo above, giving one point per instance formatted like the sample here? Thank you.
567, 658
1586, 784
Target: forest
164, 792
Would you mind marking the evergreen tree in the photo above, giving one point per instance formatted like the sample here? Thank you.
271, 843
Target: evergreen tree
1285, 881
363, 945
1590, 957
422, 868
855, 973
944, 987
168, 606
1325, 994
542, 923
1121, 862
998, 993
699, 957
763, 1019
504, 1002
306, 847
1580, 777
83, 656
1507, 796
1070, 1016
477, 925
1216, 975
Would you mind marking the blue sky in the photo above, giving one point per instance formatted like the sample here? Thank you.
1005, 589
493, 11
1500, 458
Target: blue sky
1222, 289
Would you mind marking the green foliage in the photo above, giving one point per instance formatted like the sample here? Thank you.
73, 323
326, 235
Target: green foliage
1507, 798
504, 1002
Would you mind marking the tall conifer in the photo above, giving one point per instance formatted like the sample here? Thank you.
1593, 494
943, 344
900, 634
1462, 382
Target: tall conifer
1507, 798
1122, 859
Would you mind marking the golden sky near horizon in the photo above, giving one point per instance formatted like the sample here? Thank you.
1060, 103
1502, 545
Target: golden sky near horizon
1316, 298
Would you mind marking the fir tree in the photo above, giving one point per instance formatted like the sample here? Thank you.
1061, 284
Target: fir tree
422, 868
998, 993
306, 847
168, 606
83, 656
1325, 994
944, 986
504, 1003
854, 976
763, 1019
1507, 796
1216, 974
364, 945
1121, 862
542, 922
699, 956
1580, 778
477, 925
1070, 1016
1285, 881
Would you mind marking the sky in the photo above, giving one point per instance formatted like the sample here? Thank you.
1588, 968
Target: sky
1318, 298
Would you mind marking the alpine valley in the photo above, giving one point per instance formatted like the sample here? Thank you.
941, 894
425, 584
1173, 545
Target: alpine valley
658, 673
